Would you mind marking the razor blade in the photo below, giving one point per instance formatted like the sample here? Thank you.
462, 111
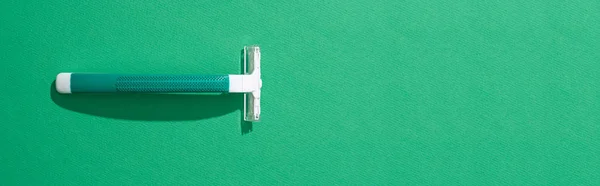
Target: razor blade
248, 83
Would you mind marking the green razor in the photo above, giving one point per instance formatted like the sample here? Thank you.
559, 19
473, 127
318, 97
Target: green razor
248, 83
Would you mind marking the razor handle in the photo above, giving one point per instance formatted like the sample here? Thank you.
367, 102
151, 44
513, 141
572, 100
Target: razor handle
140, 83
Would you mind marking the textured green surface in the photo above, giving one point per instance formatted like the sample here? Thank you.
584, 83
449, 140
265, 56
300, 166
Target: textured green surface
355, 93
147, 83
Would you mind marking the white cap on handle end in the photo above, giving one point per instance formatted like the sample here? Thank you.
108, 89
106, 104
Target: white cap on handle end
63, 83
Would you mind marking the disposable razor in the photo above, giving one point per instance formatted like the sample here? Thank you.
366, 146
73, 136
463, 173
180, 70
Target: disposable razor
248, 83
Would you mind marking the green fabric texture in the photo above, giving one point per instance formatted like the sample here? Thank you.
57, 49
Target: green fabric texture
148, 83
355, 92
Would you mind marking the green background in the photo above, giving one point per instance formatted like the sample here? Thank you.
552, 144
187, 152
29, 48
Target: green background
355, 93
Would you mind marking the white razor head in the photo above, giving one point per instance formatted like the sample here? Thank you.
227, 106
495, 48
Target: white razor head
252, 71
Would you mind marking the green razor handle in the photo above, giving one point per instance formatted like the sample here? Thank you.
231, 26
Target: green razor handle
143, 83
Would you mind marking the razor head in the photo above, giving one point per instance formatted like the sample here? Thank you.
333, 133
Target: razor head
252, 70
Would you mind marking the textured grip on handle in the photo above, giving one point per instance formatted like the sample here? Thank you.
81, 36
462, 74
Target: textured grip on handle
148, 83
172, 83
